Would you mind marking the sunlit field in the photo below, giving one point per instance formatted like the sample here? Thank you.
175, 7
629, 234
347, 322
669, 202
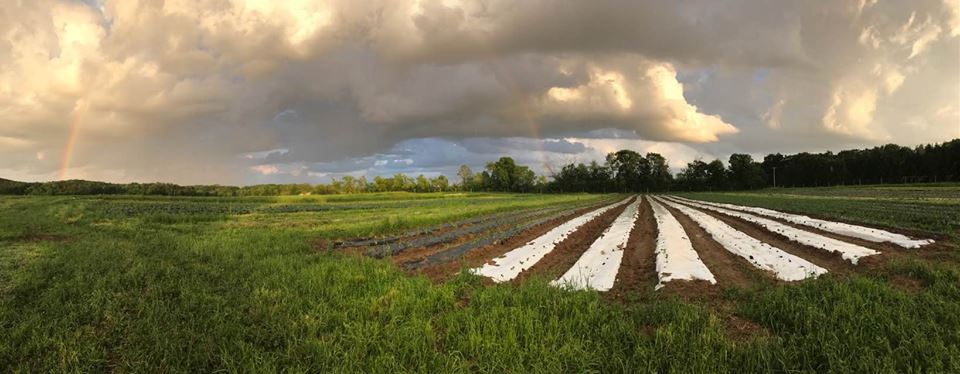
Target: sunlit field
264, 284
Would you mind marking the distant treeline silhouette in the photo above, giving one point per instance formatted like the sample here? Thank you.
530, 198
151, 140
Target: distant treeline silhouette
622, 171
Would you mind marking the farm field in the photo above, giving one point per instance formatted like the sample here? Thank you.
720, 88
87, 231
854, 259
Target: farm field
934, 208
484, 282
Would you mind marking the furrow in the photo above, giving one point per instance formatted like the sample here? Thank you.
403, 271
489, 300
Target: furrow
855, 231
597, 267
452, 235
514, 262
850, 252
676, 258
500, 233
764, 256
638, 268
436, 229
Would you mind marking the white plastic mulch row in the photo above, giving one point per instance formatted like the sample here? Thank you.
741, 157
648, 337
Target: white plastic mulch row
849, 252
854, 231
676, 258
516, 261
597, 268
783, 265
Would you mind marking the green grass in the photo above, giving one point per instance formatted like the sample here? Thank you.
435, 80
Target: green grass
86, 289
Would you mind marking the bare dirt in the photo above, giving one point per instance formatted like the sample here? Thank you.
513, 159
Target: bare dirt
480, 255
638, 270
729, 269
566, 253
832, 261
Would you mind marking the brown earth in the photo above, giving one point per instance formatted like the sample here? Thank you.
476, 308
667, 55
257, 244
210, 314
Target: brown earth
832, 261
566, 253
729, 269
638, 270
415, 254
481, 255
939, 251
412, 253
915, 234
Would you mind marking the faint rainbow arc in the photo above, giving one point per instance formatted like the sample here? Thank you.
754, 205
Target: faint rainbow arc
527, 114
73, 128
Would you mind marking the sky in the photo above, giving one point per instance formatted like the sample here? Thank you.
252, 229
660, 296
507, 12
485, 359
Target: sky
260, 91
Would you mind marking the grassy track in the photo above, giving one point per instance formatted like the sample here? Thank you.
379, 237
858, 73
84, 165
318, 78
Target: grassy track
192, 284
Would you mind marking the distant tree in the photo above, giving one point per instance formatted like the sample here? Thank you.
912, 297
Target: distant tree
401, 182
478, 181
505, 175
744, 174
660, 177
440, 183
769, 165
466, 177
423, 184
361, 184
630, 170
541, 183
716, 175
694, 176
348, 184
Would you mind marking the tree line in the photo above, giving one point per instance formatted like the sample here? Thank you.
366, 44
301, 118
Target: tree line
503, 175
621, 171
627, 171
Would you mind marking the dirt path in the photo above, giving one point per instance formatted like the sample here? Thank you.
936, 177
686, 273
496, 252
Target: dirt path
638, 270
567, 252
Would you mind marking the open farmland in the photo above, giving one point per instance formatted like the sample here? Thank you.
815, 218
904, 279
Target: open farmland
934, 208
480, 282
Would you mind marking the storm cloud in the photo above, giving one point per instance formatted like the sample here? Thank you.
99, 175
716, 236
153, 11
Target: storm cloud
232, 91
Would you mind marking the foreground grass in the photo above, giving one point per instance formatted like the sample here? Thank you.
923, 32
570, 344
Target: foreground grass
81, 290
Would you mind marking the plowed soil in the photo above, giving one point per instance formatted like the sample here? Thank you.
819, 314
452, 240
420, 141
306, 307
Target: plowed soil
479, 256
832, 261
638, 271
567, 252
728, 268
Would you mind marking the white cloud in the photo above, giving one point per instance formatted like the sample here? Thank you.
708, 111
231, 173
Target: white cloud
265, 169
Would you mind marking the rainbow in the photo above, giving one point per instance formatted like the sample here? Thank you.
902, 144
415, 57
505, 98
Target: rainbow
76, 116
528, 116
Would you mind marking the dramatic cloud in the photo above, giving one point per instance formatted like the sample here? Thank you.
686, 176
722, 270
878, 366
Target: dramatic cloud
250, 91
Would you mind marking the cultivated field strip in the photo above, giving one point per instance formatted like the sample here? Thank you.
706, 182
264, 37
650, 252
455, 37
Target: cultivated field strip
846, 229
590, 247
850, 252
676, 258
597, 267
377, 241
492, 236
516, 261
457, 231
783, 265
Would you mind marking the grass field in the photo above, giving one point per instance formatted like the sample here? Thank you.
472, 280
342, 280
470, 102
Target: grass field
241, 284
